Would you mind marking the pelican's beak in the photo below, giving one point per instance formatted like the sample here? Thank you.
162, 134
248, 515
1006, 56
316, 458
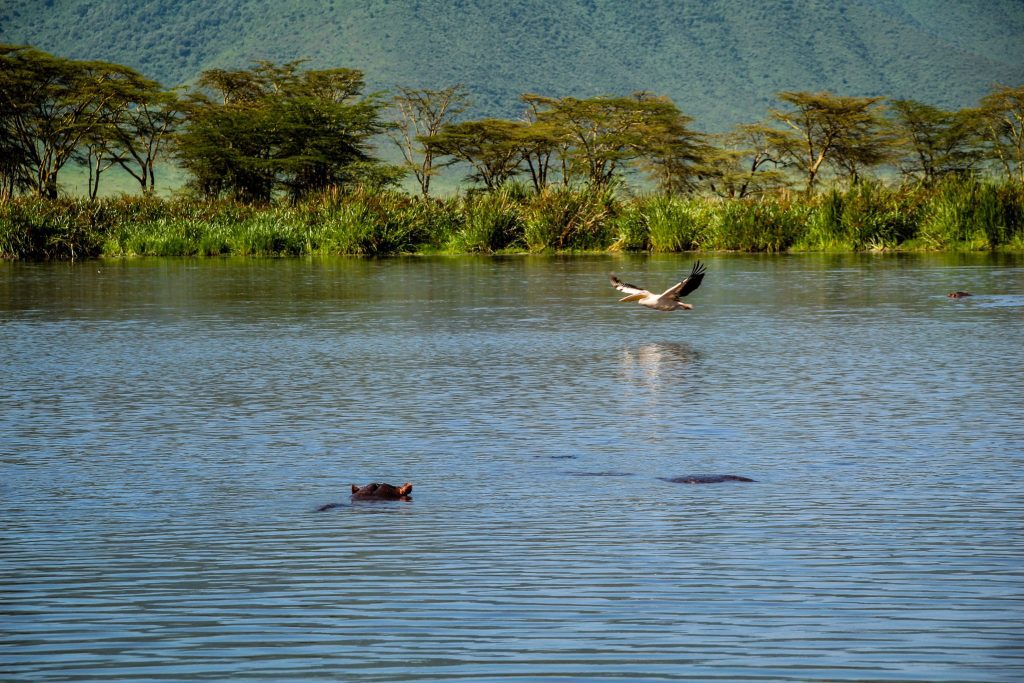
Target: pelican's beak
632, 297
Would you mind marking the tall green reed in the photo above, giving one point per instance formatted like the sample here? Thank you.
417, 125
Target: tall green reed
566, 218
867, 216
368, 222
763, 224
662, 223
970, 214
493, 222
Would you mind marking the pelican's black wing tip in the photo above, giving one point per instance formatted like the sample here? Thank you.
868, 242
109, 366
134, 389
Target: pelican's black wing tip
692, 280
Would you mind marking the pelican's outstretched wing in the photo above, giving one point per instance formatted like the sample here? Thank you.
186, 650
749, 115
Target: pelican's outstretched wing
691, 282
626, 288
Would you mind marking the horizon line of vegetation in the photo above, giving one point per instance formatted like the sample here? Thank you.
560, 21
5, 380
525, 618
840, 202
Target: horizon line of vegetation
956, 214
279, 145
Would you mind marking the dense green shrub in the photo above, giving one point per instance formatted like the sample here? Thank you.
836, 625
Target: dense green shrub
493, 221
968, 214
765, 224
50, 229
364, 222
568, 218
663, 223
868, 216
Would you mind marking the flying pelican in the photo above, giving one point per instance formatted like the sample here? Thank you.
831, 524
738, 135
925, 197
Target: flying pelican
669, 299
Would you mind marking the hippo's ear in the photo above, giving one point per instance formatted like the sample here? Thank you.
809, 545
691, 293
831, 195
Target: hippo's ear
354, 488
405, 490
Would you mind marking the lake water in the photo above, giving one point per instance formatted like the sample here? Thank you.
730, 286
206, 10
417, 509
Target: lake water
169, 427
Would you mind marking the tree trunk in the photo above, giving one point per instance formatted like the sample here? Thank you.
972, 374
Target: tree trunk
48, 187
427, 168
94, 181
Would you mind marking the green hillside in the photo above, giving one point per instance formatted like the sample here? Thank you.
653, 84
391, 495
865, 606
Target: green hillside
722, 61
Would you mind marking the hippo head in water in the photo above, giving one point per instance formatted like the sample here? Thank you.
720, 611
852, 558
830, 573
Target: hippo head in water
958, 294
377, 491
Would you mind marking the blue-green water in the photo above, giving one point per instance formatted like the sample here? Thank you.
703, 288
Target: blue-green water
168, 427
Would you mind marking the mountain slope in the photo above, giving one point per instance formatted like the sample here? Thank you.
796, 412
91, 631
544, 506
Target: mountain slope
722, 61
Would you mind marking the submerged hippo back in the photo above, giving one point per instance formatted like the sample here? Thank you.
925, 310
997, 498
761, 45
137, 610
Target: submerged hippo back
706, 479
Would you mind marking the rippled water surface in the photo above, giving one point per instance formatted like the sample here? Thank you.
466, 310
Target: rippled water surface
169, 427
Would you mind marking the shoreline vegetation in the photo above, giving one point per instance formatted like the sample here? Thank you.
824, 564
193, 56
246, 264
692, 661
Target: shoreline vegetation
956, 215
281, 160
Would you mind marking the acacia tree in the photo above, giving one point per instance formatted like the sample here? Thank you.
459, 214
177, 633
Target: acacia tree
421, 115
671, 152
223, 147
50, 106
93, 154
131, 135
1002, 117
593, 139
12, 176
330, 130
539, 142
492, 148
277, 127
743, 164
599, 137
15, 174
823, 128
933, 142
862, 148
140, 131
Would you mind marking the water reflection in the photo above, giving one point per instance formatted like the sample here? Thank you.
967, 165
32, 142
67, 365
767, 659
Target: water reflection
652, 363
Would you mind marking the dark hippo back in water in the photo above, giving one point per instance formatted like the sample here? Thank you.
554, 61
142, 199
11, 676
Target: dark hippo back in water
704, 478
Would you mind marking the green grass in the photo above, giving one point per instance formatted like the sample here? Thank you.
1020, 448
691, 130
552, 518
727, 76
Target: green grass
956, 215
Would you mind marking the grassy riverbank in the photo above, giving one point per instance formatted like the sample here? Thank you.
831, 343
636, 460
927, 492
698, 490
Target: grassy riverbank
960, 215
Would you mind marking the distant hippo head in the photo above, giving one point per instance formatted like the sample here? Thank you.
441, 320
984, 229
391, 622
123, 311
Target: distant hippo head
958, 294
377, 491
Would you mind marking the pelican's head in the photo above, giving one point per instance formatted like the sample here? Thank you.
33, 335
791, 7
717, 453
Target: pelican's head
632, 297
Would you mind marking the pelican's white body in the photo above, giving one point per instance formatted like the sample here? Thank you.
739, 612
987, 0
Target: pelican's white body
659, 302
667, 300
